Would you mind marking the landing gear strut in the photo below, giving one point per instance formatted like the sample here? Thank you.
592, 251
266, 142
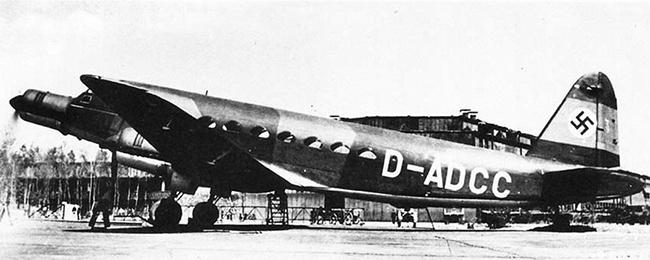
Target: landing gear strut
561, 223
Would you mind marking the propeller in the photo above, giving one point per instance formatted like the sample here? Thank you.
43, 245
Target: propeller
17, 103
15, 116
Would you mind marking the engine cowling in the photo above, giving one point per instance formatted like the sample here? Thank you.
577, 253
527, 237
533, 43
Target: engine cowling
130, 141
173, 179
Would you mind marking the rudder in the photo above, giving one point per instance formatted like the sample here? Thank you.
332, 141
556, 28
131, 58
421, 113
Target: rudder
583, 130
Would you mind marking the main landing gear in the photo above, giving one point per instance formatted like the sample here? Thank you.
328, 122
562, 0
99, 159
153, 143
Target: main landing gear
166, 213
205, 213
562, 223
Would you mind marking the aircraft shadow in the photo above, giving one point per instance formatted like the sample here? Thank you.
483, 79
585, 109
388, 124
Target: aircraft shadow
267, 228
569, 229
186, 229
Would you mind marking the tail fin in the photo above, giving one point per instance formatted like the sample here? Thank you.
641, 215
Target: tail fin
583, 130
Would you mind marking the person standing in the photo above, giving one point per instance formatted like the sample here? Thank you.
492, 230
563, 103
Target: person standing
103, 205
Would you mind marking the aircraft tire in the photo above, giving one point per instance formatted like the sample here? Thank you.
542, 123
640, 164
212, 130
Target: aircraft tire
167, 214
205, 214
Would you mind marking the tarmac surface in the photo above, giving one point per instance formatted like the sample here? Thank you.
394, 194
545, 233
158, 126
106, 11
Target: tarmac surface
45, 239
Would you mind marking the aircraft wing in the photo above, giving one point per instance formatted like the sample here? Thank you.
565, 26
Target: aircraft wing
169, 120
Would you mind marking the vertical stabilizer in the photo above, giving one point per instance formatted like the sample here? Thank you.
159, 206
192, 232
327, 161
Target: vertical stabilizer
583, 130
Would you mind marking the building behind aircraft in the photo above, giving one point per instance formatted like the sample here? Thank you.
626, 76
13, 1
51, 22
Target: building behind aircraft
137, 190
195, 140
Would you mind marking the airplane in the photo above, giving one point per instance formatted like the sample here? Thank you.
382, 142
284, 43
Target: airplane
198, 140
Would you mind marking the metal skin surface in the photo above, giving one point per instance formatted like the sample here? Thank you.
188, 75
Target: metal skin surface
591, 94
217, 143
228, 145
84, 117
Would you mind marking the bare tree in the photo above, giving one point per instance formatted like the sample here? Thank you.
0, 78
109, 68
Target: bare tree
6, 167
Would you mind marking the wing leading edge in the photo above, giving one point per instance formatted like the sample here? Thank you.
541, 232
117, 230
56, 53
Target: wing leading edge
170, 121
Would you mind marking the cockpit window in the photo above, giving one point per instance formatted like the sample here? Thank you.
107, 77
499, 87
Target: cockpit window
286, 137
86, 98
367, 153
232, 126
260, 132
339, 147
313, 142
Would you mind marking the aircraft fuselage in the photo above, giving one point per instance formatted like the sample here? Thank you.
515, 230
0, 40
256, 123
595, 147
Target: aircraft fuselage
369, 161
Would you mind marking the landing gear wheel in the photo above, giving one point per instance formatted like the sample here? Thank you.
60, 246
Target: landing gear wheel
167, 213
205, 214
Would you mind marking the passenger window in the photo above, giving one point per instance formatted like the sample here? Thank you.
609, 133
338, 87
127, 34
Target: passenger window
367, 153
260, 132
339, 147
208, 122
286, 137
232, 126
313, 142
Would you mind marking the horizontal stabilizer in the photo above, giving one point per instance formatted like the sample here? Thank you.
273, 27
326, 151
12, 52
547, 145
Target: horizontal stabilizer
589, 184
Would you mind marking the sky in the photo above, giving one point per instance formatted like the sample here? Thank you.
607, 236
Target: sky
513, 62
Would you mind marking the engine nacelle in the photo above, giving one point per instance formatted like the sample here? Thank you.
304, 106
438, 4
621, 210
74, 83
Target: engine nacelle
173, 180
132, 142
41, 103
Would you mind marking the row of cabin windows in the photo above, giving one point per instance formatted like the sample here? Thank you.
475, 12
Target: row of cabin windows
338, 147
235, 127
288, 137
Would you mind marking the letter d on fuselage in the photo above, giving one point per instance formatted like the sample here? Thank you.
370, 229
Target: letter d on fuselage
389, 170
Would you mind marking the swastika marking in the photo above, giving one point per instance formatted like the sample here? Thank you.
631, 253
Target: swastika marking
582, 123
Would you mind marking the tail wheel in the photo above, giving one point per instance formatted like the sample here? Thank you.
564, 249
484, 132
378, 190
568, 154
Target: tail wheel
205, 214
167, 213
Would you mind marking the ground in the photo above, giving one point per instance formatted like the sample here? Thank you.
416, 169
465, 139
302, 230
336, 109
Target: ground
46, 239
